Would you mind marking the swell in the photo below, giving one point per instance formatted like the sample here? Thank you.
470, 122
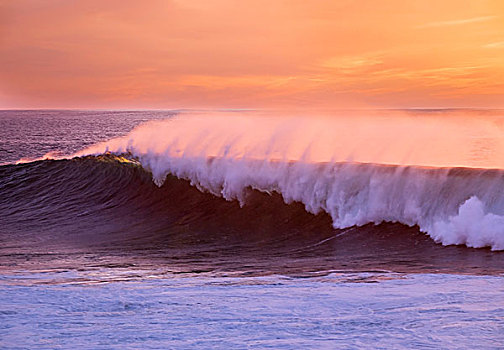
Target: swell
451, 205
65, 211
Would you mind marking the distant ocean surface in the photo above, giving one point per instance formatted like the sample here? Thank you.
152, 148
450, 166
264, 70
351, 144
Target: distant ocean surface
177, 229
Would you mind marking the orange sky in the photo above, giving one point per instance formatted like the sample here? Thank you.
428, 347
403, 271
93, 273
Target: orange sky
251, 53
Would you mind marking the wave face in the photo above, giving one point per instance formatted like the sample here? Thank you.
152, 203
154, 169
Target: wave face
227, 157
453, 206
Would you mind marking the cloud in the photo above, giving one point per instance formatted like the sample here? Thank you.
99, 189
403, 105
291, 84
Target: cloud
497, 45
457, 22
352, 64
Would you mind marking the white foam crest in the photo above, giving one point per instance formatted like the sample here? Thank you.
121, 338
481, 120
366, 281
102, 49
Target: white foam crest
297, 158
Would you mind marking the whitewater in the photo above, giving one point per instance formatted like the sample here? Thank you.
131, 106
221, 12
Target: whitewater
441, 172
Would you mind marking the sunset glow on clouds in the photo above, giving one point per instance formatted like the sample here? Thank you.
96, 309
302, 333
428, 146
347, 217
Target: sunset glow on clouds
251, 54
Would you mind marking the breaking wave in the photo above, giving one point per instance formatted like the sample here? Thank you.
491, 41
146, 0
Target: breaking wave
305, 162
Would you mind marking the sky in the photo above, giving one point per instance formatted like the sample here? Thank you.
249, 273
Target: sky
251, 54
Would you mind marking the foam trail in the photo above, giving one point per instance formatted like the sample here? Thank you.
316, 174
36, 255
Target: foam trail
318, 161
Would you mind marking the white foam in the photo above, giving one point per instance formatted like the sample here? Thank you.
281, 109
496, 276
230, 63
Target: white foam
471, 226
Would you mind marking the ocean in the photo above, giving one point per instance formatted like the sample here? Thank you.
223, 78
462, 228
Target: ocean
245, 229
